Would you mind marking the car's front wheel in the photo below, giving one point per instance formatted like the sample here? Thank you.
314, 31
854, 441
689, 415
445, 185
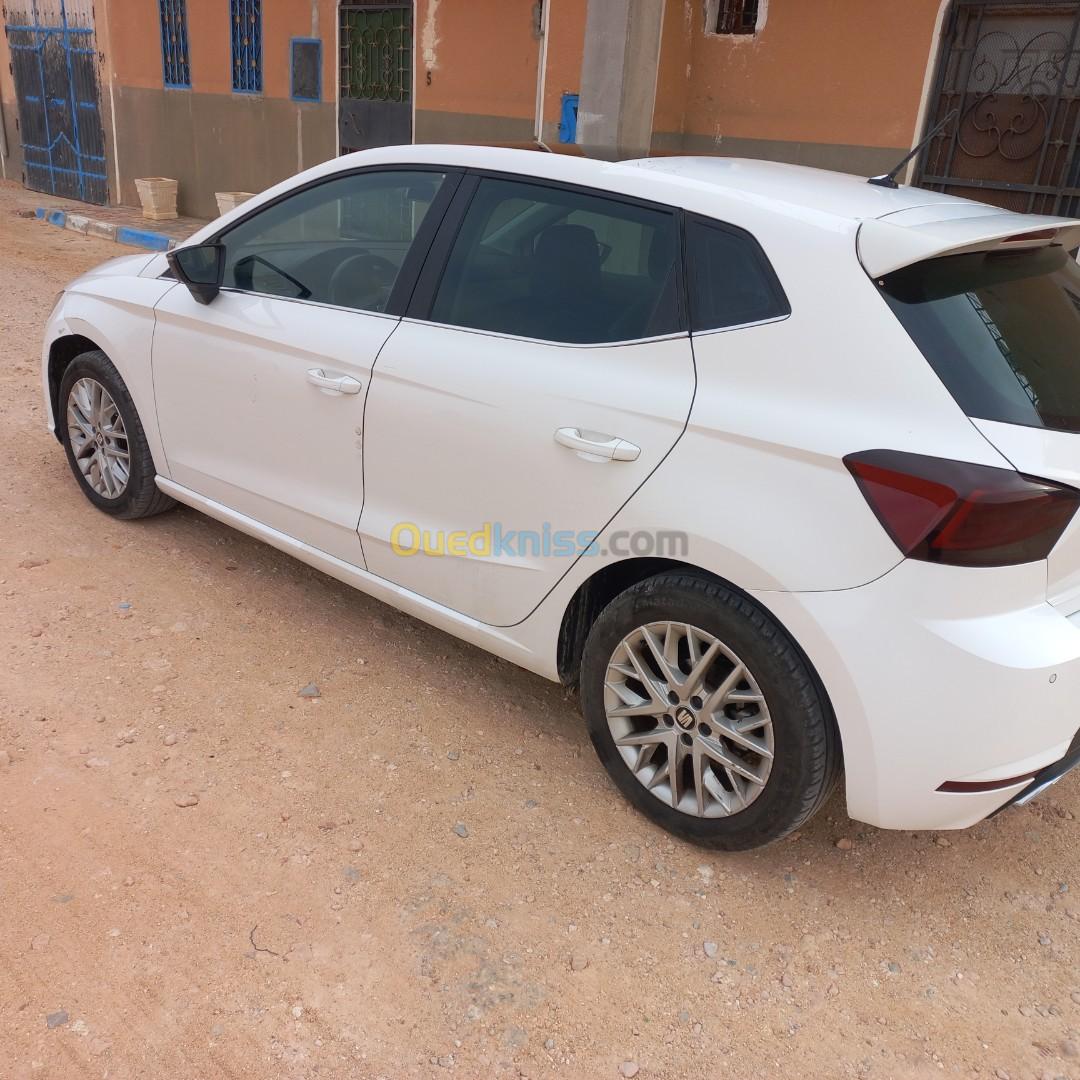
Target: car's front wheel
104, 440
705, 714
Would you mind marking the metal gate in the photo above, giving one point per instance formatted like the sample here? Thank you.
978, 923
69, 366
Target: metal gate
1012, 71
375, 99
54, 62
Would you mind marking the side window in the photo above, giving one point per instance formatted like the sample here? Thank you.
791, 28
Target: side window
544, 262
731, 281
342, 242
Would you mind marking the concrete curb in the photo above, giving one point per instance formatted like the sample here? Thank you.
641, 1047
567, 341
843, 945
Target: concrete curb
107, 230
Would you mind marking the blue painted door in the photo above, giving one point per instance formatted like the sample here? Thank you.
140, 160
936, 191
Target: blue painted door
54, 62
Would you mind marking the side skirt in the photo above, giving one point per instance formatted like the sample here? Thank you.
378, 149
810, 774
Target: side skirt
477, 633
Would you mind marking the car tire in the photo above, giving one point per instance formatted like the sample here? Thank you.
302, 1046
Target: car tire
769, 720
111, 462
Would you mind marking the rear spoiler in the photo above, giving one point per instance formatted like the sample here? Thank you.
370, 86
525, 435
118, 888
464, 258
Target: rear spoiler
900, 239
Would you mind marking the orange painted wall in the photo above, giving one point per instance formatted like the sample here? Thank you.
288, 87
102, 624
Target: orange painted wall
566, 47
681, 19
481, 56
134, 44
829, 71
846, 72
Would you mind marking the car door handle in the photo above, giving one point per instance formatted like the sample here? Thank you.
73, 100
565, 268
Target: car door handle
334, 384
609, 447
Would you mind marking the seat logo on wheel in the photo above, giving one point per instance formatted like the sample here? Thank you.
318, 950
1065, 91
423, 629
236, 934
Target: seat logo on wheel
684, 717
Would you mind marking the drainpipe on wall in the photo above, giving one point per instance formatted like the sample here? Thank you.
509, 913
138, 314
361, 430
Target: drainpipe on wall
618, 77
541, 74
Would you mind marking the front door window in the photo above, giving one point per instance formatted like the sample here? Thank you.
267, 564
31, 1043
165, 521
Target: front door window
342, 242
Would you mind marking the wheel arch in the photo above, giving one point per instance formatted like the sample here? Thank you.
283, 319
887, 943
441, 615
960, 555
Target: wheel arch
61, 353
122, 329
601, 587
592, 596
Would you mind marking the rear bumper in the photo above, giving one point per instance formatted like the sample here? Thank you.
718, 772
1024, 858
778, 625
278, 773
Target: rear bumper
943, 676
1047, 777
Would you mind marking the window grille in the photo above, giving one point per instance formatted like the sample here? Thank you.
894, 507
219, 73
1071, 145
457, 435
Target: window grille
376, 51
174, 44
247, 75
736, 17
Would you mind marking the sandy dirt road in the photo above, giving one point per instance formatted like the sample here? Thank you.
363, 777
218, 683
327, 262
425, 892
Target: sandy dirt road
315, 914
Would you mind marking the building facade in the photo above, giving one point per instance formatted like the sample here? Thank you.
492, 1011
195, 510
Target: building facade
237, 94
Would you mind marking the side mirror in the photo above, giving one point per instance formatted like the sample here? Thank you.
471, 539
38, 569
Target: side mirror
201, 269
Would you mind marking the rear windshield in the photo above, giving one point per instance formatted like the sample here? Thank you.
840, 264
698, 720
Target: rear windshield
1002, 331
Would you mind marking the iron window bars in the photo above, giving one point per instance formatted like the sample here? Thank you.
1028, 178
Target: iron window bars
246, 29
174, 44
736, 17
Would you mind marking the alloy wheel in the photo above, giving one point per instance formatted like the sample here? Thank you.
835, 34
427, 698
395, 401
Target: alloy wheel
689, 719
98, 438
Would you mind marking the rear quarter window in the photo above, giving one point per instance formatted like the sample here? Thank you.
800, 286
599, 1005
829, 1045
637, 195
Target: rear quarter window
1000, 329
731, 281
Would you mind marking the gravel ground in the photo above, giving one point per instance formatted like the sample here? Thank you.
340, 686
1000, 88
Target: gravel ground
423, 872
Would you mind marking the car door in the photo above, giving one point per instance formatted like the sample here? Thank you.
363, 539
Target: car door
260, 394
542, 373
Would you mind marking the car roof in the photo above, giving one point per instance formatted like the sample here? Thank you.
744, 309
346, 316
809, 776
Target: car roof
839, 194
785, 188
774, 200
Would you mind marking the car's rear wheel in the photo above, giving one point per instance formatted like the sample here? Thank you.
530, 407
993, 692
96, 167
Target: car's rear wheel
104, 440
705, 714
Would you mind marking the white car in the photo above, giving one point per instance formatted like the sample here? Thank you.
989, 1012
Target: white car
779, 466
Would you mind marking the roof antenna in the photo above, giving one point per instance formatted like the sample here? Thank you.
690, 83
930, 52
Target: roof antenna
889, 179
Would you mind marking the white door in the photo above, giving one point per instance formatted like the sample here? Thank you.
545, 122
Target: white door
551, 378
260, 394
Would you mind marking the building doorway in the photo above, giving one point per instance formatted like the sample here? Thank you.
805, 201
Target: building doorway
376, 58
54, 64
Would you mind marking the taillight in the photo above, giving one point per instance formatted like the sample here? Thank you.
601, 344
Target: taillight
961, 514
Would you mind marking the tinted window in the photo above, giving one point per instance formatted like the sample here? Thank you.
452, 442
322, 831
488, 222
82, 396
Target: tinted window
731, 281
558, 265
342, 242
1002, 331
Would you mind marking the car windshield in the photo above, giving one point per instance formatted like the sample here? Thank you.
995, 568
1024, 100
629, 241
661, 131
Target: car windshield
1002, 331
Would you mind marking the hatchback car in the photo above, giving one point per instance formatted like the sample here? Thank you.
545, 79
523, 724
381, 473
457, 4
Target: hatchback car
781, 468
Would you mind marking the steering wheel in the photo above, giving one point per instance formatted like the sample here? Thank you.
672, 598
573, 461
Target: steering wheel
363, 281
